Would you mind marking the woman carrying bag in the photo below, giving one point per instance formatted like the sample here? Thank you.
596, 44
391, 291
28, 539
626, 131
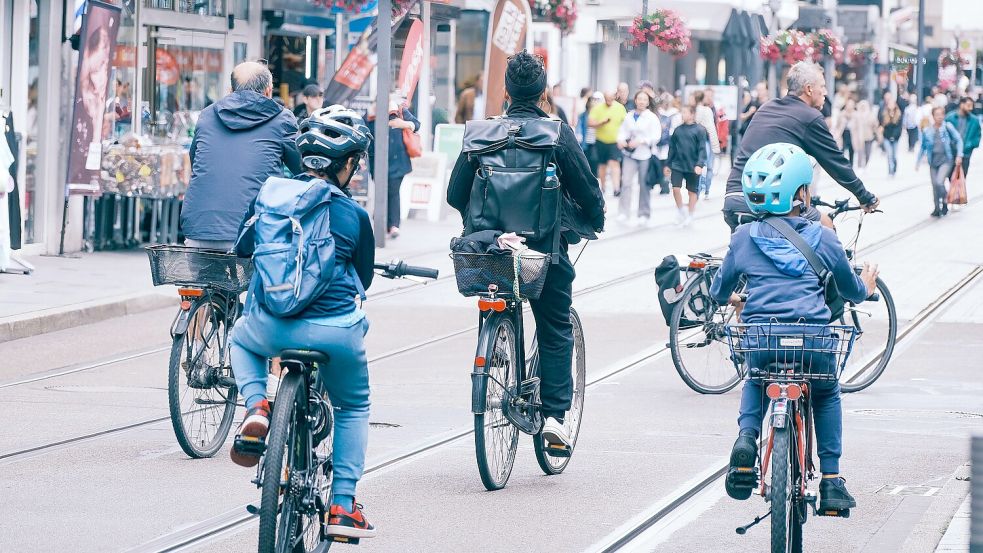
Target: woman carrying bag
404, 144
943, 146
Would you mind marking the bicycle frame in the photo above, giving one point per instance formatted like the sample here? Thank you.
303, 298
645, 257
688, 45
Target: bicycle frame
522, 407
794, 412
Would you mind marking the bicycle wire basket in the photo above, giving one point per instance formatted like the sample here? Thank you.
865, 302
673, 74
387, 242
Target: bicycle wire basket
475, 272
198, 267
790, 351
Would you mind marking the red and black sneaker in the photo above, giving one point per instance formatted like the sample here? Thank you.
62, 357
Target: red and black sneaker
345, 524
250, 442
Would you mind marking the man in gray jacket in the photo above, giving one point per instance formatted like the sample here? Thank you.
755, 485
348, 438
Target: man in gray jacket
239, 142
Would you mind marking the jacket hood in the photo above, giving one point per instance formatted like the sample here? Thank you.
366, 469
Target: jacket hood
245, 109
786, 257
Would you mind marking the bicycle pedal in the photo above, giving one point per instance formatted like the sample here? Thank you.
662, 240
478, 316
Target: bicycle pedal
344, 539
250, 445
842, 513
743, 477
558, 450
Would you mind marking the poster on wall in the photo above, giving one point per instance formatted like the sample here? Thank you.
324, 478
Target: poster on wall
506, 36
100, 25
724, 97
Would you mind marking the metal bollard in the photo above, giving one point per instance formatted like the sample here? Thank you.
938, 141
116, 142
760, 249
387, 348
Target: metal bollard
976, 501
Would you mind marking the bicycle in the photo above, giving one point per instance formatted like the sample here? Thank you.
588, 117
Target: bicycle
787, 358
294, 472
697, 336
505, 389
201, 388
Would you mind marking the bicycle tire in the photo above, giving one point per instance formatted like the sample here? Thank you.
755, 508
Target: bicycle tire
782, 507
869, 376
277, 499
676, 348
495, 438
555, 465
189, 434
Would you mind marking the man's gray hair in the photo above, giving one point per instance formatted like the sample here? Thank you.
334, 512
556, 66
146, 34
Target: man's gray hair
254, 76
802, 74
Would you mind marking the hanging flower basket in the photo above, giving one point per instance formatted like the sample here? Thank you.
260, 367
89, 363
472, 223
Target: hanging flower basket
562, 13
790, 46
663, 29
826, 44
859, 55
950, 57
357, 6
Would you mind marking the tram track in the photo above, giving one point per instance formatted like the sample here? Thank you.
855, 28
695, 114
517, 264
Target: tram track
658, 517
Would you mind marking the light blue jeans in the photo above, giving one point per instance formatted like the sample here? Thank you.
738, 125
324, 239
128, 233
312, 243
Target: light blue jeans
707, 177
258, 336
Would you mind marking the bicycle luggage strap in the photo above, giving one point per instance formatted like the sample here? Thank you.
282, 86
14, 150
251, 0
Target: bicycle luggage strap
789, 233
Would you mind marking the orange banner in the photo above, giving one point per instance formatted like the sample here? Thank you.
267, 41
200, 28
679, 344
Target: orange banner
409, 67
507, 36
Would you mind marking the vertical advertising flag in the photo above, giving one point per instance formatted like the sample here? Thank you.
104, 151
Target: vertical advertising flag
100, 25
506, 36
412, 61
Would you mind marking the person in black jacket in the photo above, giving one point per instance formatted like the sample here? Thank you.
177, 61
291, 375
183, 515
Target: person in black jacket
582, 217
795, 119
687, 160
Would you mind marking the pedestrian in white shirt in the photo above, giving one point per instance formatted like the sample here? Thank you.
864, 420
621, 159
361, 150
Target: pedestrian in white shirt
706, 118
639, 133
912, 119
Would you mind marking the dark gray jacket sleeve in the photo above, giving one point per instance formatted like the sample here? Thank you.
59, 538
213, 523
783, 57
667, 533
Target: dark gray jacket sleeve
819, 143
726, 279
291, 157
462, 179
577, 179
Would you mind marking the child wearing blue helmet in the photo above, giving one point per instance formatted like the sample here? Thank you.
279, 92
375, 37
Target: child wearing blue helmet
782, 287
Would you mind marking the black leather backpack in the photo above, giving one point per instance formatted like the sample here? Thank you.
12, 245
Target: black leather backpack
510, 191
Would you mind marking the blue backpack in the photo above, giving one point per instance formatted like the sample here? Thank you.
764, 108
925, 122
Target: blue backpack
294, 255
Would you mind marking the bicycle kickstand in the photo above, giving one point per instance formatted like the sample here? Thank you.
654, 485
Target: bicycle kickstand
743, 529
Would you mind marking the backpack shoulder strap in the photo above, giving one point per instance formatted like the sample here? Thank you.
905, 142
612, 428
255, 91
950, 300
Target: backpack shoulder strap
789, 233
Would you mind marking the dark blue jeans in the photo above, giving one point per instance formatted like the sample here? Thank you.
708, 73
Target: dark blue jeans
826, 411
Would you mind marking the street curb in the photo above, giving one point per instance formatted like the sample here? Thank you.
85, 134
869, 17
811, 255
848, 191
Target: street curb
60, 318
926, 535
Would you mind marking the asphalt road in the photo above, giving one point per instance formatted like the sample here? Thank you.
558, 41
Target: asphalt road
644, 435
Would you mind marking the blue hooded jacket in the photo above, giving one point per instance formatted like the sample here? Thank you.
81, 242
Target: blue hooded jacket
781, 283
239, 142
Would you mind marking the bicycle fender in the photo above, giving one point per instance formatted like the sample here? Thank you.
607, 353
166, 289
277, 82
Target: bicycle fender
182, 320
479, 373
779, 413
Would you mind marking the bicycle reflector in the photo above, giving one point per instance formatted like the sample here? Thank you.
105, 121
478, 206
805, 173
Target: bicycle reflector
791, 391
697, 264
196, 292
773, 391
498, 304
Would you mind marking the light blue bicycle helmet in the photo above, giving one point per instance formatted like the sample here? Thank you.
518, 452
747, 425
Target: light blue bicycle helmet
772, 176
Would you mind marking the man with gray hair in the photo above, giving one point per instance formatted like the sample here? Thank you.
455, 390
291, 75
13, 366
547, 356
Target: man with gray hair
239, 141
794, 119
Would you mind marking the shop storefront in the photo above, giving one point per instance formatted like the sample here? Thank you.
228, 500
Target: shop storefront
172, 58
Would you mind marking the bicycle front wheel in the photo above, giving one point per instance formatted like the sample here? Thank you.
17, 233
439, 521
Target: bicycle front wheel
286, 524
783, 516
495, 438
697, 341
877, 330
201, 389
549, 463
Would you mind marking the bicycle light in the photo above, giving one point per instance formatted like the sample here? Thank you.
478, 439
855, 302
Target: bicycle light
498, 305
773, 391
697, 264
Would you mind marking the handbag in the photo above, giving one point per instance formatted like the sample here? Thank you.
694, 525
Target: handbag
957, 187
831, 294
413, 143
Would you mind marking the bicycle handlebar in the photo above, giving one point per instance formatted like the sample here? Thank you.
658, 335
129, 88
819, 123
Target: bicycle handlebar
839, 206
397, 268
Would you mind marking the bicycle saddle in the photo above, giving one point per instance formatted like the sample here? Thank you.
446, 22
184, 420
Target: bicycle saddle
305, 356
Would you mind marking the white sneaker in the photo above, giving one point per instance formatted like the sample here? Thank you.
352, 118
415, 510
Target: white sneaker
621, 218
680, 217
688, 220
555, 434
642, 221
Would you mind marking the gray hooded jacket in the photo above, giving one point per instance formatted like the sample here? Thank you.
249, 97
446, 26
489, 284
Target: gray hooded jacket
239, 141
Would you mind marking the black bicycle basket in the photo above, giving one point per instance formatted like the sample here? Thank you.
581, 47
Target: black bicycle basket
200, 268
475, 272
791, 351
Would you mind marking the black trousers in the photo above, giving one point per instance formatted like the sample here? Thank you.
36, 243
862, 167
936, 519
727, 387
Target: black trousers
392, 204
912, 138
554, 332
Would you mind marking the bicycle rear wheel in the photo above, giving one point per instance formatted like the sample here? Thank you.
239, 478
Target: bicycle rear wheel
697, 341
201, 389
495, 438
783, 516
555, 465
285, 524
877, 330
